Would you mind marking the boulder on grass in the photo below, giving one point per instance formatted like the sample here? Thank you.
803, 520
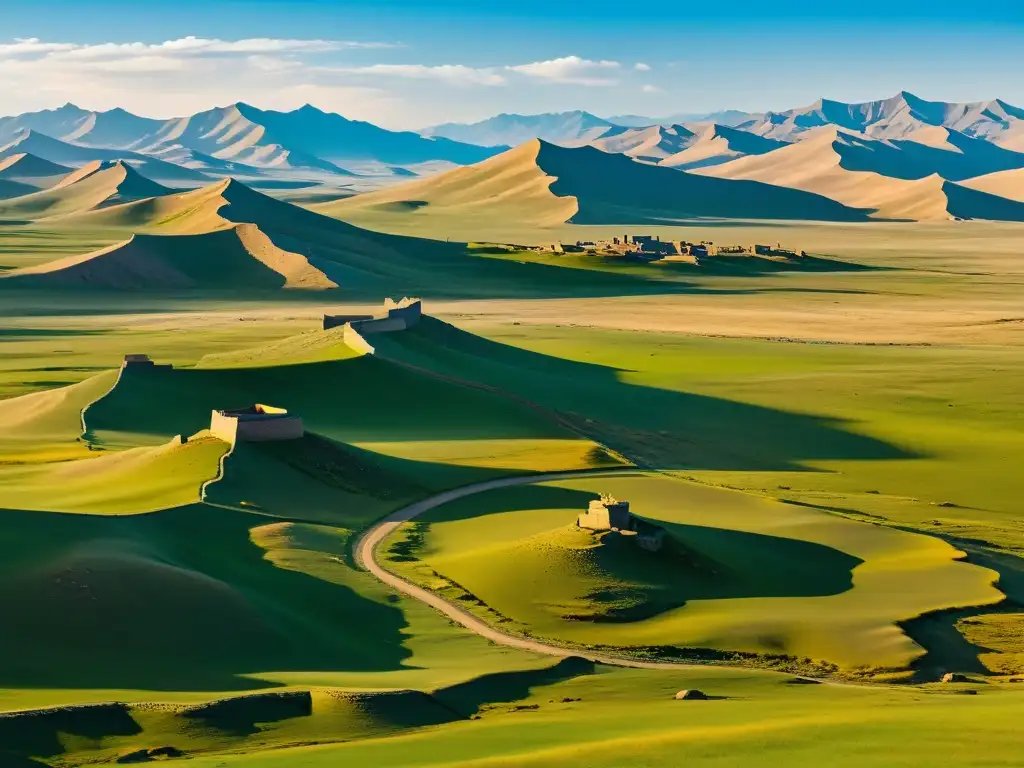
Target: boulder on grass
691, 695
954, 677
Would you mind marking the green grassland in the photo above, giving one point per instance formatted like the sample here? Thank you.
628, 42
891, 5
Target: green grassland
568, 712
738, 572
824, 445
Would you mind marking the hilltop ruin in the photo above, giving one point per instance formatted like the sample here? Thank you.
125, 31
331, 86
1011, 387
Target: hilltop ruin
257, 423
397, 316
140, 362
608, 514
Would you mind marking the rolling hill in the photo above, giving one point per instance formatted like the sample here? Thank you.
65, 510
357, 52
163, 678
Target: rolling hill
540, 184
94, 186
223, 236
240, 257
864, 173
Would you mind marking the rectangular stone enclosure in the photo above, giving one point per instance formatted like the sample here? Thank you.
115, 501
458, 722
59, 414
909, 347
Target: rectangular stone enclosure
256, 423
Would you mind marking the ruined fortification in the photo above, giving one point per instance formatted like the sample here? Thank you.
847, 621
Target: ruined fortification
607, 514
255, 424
397, 316
336, 321
140, 362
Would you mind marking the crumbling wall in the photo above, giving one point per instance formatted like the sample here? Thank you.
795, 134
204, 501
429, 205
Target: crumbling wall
408, 310
400, 315
224, 427
257, 430
335, 321
355, 340
264, 424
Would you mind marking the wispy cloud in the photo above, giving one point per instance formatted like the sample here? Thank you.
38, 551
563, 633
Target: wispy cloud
27, 46
648, 88
641, 67
457, 74
572, 70
184, 75
190, 45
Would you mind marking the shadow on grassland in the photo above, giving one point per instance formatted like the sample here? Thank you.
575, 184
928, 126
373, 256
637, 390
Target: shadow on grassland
695, 562
656, 428
467, 698
360, 399
180, 600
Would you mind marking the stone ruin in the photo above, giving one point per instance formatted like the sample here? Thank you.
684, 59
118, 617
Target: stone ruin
257, 423
397, 316
140, 362
608, 514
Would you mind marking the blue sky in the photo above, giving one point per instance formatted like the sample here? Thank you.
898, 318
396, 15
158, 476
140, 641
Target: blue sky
408, 63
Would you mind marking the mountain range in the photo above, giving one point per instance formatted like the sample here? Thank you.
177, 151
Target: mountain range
901, 158
240, 133
891, 118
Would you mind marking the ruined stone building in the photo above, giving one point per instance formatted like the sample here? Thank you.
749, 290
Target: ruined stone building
140, 362
397, 316
256, 423
606, 514
336, 321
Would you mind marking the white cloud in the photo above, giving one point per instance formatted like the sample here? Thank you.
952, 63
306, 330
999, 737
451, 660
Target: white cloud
572, 70
641, 67
458, 74
648, 88
182, 76
22, 46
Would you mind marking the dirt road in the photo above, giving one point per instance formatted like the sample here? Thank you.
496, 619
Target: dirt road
365, 555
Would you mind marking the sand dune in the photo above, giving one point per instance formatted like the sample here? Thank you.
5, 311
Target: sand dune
719, 144
955, 156
293, 238
32, 171
651, 144
1008, 184
833, 163
96, 185
238, 257
511, 183
542, 185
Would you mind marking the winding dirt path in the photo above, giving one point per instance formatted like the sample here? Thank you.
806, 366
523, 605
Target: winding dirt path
365, 551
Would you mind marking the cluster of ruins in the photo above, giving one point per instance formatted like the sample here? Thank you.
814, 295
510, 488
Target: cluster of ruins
607, 514
259, 422
653, 248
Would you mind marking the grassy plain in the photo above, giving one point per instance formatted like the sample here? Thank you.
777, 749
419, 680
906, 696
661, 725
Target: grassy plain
882, 406
737, 572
